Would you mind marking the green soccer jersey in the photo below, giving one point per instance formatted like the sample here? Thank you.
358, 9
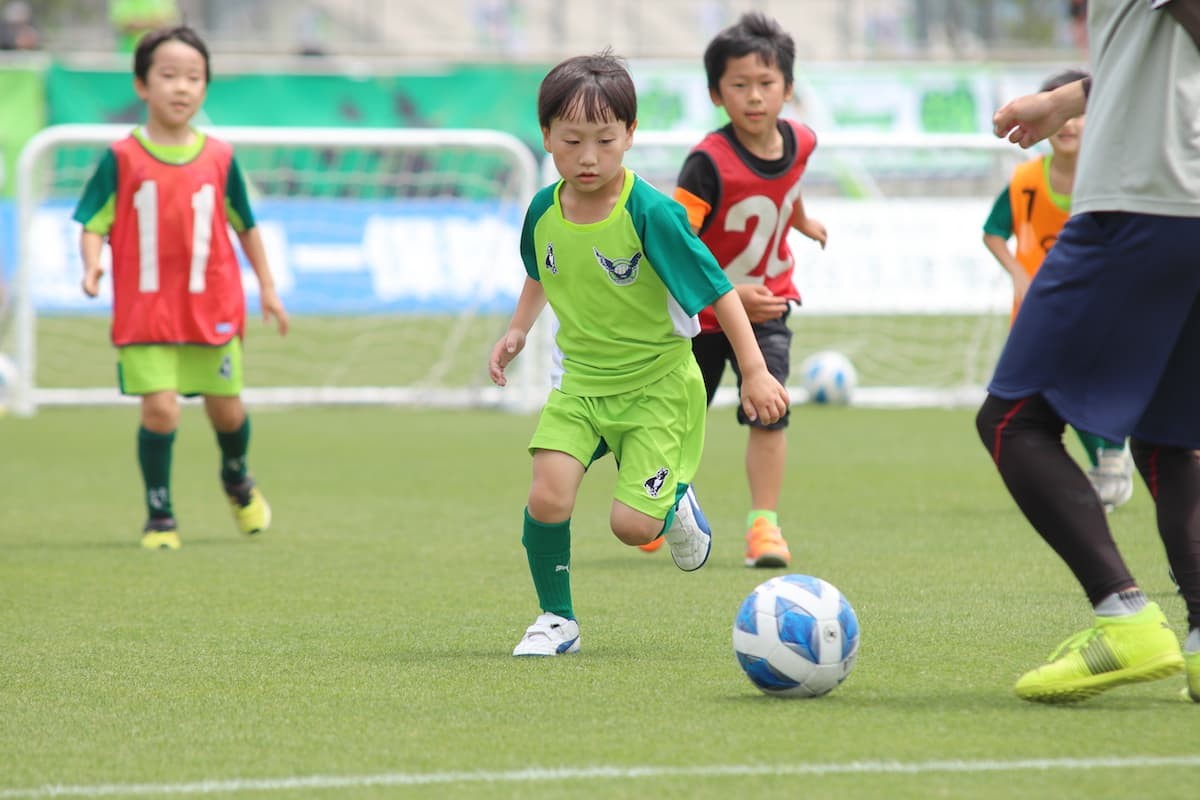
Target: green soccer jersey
626, 290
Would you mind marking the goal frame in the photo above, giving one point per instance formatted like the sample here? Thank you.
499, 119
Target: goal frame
528, 383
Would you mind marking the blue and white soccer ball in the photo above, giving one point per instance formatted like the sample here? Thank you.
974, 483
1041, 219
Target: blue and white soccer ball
796, 636
829, 378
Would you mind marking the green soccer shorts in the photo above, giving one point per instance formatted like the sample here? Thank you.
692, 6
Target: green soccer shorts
189, 369
656, 434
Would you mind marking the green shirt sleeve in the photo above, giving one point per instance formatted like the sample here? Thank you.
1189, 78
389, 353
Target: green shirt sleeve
683, 262
97, 207
543, 200
237, 200
1000, 221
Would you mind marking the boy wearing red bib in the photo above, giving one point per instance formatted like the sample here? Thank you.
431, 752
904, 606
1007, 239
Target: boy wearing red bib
164, 198
741, 188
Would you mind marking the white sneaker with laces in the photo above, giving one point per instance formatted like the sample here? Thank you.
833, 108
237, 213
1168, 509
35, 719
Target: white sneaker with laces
689, 537
1112, 478
549, 635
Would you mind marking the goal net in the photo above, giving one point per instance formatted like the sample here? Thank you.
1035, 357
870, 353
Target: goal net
905, 287
395, 251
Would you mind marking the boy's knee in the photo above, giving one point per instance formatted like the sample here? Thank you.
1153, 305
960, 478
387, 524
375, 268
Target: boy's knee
547, 506
633, 527
160, 412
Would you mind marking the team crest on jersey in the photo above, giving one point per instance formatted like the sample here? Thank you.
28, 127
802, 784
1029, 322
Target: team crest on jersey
621, 271
549, 264
654, 483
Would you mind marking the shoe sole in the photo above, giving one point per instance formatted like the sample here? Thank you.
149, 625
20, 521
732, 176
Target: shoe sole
1162, 667
703, 561
701, 523
572, 648
160, 545
768, 560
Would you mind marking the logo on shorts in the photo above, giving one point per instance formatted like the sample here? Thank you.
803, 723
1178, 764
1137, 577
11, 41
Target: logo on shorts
621, 271
654, 483
226, 369
548, 262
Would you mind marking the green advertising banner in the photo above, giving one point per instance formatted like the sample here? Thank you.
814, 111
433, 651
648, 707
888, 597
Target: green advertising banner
477, 96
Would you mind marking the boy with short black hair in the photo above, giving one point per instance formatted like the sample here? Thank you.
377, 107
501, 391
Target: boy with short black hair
625, 276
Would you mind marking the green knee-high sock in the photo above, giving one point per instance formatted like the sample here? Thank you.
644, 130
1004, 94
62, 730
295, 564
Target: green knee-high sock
233, 452
548, 548
154, 457
1093, 444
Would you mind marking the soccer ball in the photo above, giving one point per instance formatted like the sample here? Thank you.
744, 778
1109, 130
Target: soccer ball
829, 378
796, 636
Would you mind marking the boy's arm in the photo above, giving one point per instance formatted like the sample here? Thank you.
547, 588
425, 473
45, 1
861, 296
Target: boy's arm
763, 398
529, 306
998, 247
809, 226
269, 300
90, 247
997, 230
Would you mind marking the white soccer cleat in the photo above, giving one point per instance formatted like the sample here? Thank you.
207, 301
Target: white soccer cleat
689, 537
549, 635
1112, 478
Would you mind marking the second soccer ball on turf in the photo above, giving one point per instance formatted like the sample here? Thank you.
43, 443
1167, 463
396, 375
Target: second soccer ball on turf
829, 378
796, 636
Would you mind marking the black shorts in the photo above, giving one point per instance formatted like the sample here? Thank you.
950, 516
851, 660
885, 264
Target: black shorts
713, 352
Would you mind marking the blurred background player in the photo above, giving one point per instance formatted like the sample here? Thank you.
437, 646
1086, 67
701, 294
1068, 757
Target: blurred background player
163, 197
17, 29
625, 277
752, 166
133, 19
1033, 208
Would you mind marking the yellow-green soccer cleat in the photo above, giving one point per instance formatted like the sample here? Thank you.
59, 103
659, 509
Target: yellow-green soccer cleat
1192, 690
1117, 651
250, 509
161, 533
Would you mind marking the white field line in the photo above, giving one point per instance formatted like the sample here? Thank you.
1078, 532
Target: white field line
593, 773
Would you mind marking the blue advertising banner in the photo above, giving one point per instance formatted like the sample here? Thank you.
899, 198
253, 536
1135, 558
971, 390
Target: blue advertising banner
338, 256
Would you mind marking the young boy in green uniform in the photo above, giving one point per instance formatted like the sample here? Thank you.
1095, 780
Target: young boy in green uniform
625, 275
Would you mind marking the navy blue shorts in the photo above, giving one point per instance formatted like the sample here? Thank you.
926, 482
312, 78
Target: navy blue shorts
1109, 332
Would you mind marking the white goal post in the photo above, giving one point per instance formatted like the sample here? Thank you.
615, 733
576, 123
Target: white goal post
396, 251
